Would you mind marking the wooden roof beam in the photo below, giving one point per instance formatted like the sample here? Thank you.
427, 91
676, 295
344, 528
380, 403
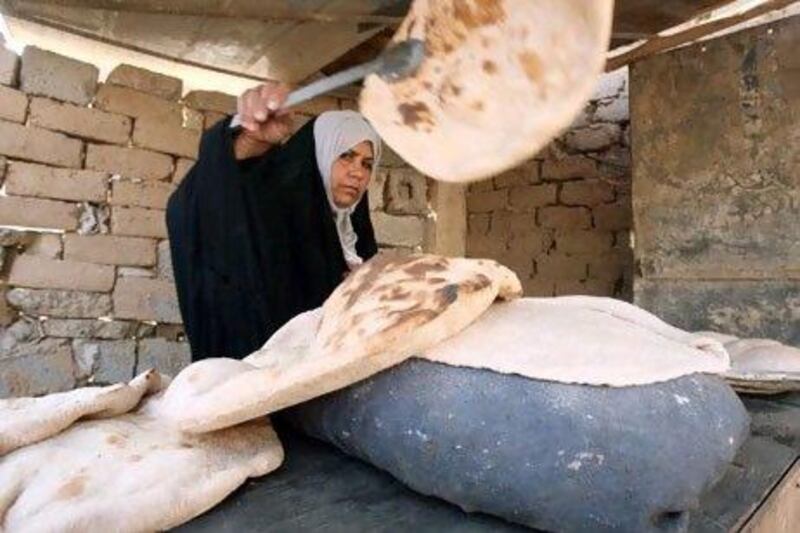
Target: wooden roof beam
362, 11
663, 42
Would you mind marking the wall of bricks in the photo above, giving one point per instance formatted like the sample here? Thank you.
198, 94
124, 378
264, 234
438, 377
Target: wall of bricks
86, 168
562, 220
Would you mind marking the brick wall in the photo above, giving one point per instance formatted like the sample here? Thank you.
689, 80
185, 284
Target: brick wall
717, 183
86, 290
562, 220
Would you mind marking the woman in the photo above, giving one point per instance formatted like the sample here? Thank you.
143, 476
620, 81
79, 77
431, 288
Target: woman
261, 231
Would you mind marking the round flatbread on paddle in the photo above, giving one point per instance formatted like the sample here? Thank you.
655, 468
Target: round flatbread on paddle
500, 79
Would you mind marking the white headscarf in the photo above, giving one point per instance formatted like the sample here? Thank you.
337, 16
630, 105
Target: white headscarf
336, 132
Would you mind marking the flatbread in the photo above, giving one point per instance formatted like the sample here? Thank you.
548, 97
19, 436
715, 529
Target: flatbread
581, 340
24, 421
394, 297
129, 473
386, 311
760, 366
501, 78
571, 339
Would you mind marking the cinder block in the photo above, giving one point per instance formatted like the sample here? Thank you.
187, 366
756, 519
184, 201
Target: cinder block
13, 104
529, 197
565, 218
78, 121
586, 192
138, 222
146, 81
110, 249
38, 272
36, 368
211, 101
128, 162
146, 299
137, 104
485, 202
28, 179
35, 213
49, 74
141, 193
36, 144
156, 134
59, 303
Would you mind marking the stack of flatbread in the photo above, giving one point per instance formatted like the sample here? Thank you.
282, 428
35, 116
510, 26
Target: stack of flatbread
118, 472
96, 458
106, 449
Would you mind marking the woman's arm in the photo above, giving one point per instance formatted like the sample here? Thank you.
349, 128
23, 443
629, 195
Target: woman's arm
263, 123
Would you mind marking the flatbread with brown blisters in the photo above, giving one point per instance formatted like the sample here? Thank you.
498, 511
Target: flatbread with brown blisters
391, 297
500, 79
761, 366
129, 473
24, 421
386, 311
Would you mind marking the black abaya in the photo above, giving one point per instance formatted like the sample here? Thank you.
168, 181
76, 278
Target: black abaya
254, 243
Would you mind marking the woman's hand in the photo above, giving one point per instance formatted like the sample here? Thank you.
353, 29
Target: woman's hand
263, 124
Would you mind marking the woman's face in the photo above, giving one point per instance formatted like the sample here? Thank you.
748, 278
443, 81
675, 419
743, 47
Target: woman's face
350, 174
